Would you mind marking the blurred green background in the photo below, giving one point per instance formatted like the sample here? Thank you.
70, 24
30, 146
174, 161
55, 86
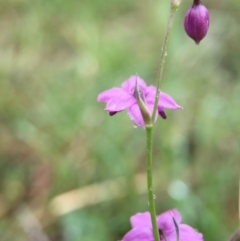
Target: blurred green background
56, 56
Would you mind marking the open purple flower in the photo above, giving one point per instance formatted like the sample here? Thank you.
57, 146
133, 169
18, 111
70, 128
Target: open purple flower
119, 99
142, 228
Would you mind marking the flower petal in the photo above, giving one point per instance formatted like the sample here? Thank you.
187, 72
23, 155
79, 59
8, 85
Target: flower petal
166, 101
186, 233
150, 94
141, 220
107, 95
139, 234
130, 84
135, 115
120, 103
117, 99
165, 220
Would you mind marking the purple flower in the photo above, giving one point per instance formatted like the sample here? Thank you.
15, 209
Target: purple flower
119, 99
196, 22
142, 228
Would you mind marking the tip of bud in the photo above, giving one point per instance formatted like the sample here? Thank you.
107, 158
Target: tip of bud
196, 22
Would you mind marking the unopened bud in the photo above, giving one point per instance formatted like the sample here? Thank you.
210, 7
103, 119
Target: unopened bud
196, 22
142, 106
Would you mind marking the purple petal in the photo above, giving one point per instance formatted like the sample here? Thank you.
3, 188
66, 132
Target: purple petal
150, 94
141, 220
166, 101
139, 234
122, 100
135, 115
130, 84
165, 220
107, 95
186, 233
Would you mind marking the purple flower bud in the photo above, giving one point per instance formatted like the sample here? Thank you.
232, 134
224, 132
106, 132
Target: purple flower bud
196, 21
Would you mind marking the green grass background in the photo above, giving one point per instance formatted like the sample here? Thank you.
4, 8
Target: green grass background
56, 56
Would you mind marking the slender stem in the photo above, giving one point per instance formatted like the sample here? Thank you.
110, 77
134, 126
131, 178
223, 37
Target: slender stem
149, 132
163, 55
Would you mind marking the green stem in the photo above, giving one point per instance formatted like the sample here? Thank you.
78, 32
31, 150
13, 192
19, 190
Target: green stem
149, 132
163, 55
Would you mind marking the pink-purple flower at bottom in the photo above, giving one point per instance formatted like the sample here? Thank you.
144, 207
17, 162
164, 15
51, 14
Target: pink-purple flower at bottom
119, 99
142, 228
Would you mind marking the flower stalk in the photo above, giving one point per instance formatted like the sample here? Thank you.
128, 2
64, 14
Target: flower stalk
149, 132
174, 6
